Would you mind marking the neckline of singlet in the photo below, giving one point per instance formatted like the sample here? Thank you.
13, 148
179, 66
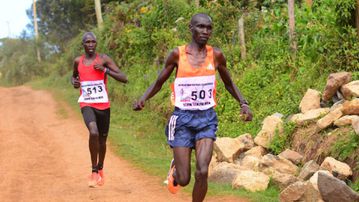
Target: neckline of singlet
82, 61
204, 64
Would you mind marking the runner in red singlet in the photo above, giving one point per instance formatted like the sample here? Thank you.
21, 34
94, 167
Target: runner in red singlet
90, 75
193, 123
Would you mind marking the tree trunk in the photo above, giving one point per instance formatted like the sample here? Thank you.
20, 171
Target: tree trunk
241, 37
309, 3
98, 13
357, 17
196, 3
36, 32
292, 37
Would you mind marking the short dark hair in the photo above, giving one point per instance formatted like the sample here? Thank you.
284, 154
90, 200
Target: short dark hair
203, 15
87, 34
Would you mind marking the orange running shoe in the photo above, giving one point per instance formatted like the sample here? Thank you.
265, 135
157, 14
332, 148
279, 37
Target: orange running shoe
172, 185
94, 179
102, 180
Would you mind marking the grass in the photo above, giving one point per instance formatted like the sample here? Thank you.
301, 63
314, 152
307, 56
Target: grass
345, 146
139, 138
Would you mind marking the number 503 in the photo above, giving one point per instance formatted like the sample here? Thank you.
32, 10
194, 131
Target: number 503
201, 94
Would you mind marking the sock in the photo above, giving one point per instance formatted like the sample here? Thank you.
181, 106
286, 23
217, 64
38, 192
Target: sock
174, 178
95, 169
99, 166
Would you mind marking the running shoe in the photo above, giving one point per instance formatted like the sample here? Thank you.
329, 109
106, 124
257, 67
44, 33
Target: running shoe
172, 185
102, 180
95, 178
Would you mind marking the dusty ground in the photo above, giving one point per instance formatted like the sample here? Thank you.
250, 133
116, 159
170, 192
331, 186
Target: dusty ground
44, 157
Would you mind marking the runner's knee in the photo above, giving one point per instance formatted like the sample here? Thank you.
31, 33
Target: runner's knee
94, 134
201, 173
183, 179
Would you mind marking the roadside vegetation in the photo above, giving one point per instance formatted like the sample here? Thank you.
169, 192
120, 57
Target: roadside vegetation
138, 35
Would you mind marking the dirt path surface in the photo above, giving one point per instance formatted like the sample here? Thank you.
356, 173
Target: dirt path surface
44, 157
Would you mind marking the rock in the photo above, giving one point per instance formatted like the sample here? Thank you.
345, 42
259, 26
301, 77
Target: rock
271, 125
213, 163
292, 156
338, 169
249, 162
328, 119
228, 149
337, 105
270, 164
351, 107
314, 178
224, 173
300, 192
311, 100
334, 82
310, 115
355, 125
350, 90
308, 170
251, 158
334, 190
251, 181
257, 151
346, 120
283, 180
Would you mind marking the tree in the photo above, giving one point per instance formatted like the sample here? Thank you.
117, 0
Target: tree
36, 32
292, 35
61, 20
357, 17
98, 13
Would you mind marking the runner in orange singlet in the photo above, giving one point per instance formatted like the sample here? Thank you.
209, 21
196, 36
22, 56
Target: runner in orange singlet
193, 124
90, 75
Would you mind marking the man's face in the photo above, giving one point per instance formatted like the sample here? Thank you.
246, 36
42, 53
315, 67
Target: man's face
89, 44
201, 28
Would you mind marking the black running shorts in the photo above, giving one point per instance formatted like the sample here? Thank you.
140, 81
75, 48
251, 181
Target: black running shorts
101, 117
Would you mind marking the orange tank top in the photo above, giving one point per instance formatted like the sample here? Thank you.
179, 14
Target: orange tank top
93, 90
194, 87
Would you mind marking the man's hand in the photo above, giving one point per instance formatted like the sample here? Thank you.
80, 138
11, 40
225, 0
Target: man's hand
99, 67
75, 82
246, 113
138, 105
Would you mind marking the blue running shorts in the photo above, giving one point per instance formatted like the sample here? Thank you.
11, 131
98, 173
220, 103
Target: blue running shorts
185, 127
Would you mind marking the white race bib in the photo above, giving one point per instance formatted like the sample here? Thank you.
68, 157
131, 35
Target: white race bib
93, 92
195, 93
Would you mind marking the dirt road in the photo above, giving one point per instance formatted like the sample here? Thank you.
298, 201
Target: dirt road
44, 157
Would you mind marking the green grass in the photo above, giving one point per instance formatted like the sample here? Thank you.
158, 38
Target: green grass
139, 138
345, 145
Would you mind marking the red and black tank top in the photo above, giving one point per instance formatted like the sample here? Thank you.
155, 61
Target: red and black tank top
93, 90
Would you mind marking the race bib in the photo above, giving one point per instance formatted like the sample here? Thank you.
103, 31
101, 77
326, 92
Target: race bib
93, 92
195, 93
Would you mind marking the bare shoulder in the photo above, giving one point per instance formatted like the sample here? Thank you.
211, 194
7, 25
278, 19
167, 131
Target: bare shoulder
219, 58
104, 56
173, 57
77, 59
217, 52
174, 53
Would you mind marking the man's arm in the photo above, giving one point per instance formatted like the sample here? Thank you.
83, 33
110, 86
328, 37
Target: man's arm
220, 62
75, 74
170, 64
110, 68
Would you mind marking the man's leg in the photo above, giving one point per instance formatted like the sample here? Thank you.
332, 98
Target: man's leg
103, 124
90, 121
102, 150
204, 148
182, 158
93, 144
89, 117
